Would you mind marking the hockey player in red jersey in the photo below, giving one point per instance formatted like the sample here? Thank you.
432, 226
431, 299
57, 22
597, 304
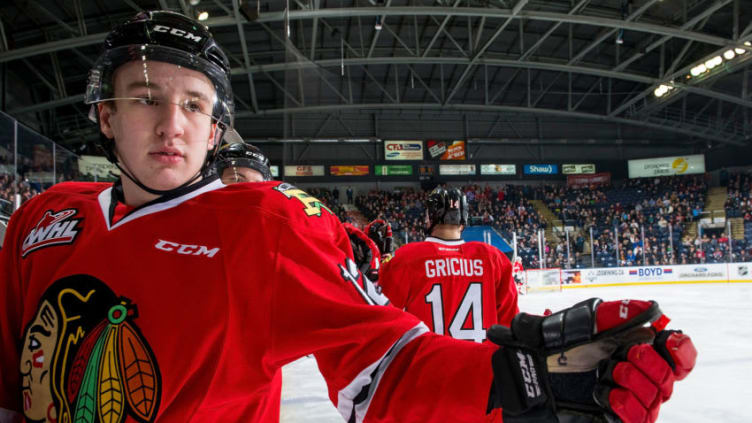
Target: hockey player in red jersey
457, 288
171, 297
242, 162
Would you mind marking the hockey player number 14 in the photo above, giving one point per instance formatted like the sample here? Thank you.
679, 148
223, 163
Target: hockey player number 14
472, 303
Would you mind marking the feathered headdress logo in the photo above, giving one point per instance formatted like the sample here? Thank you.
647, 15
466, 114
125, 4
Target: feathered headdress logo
102, 368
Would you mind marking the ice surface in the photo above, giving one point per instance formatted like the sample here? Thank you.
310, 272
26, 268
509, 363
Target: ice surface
718, 317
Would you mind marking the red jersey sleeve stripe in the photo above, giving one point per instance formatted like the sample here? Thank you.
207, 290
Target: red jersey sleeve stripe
353, 400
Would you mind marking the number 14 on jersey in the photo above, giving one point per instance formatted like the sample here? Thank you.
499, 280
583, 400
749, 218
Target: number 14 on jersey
472, 302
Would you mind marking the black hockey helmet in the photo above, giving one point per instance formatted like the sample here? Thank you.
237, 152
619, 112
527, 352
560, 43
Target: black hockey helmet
164, 36
446, 206
240, 154
380, 231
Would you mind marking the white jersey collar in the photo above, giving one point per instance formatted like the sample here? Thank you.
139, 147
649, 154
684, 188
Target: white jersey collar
105, 201
445, 241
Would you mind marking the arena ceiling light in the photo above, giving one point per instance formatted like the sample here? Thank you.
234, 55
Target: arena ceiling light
662, 90
699, 69
202, 16
713, 62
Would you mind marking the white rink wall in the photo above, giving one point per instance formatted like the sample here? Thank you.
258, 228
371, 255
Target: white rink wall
639, 275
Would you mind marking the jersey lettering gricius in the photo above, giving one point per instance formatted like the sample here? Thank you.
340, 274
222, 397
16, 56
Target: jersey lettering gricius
458, 289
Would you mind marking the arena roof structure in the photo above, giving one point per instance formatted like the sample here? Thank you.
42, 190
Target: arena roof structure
605, 72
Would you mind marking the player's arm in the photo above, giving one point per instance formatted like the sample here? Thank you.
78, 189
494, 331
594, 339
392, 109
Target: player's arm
393, 283
506, 291
10, 322
380, 363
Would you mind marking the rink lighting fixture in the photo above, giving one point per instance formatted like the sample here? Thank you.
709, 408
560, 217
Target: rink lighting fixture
662, 90
713, 62
378, 24
729, 54
202, 16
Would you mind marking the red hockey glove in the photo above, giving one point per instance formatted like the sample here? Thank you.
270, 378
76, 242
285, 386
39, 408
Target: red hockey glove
635, 383
365, 252
593, 362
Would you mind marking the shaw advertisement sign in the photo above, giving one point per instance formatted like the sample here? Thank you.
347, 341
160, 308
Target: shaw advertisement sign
403, 150
541, 169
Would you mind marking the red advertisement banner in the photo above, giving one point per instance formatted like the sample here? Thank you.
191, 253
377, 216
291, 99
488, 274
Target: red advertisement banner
576, 181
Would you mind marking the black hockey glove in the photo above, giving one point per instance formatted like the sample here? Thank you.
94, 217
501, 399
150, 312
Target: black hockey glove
593, 362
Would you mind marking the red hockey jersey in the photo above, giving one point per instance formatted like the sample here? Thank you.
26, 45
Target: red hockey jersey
185, 309
457, 288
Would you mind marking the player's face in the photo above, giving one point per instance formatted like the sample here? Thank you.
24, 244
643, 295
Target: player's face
234, 174
37, 354
163, 138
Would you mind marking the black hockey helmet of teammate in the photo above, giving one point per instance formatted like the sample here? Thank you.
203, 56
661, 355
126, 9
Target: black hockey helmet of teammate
380, 231
240, 154
164, 36
446, 206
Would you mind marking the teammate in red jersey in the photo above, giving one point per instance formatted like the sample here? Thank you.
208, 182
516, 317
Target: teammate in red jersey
242, 162
169, 296
457, 288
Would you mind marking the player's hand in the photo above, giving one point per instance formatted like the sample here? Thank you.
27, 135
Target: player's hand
640, 378
593, 362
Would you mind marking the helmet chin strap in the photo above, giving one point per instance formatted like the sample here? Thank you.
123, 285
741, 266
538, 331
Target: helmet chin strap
161, 192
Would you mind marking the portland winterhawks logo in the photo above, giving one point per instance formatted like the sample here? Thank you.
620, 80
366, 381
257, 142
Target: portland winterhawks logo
84, 360
54, 228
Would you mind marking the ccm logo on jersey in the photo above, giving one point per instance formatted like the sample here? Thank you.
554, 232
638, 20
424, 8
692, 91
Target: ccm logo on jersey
454, 266
177, 32
55, 228
185, 249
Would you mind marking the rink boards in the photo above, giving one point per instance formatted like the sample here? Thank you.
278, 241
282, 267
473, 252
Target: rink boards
657, 275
